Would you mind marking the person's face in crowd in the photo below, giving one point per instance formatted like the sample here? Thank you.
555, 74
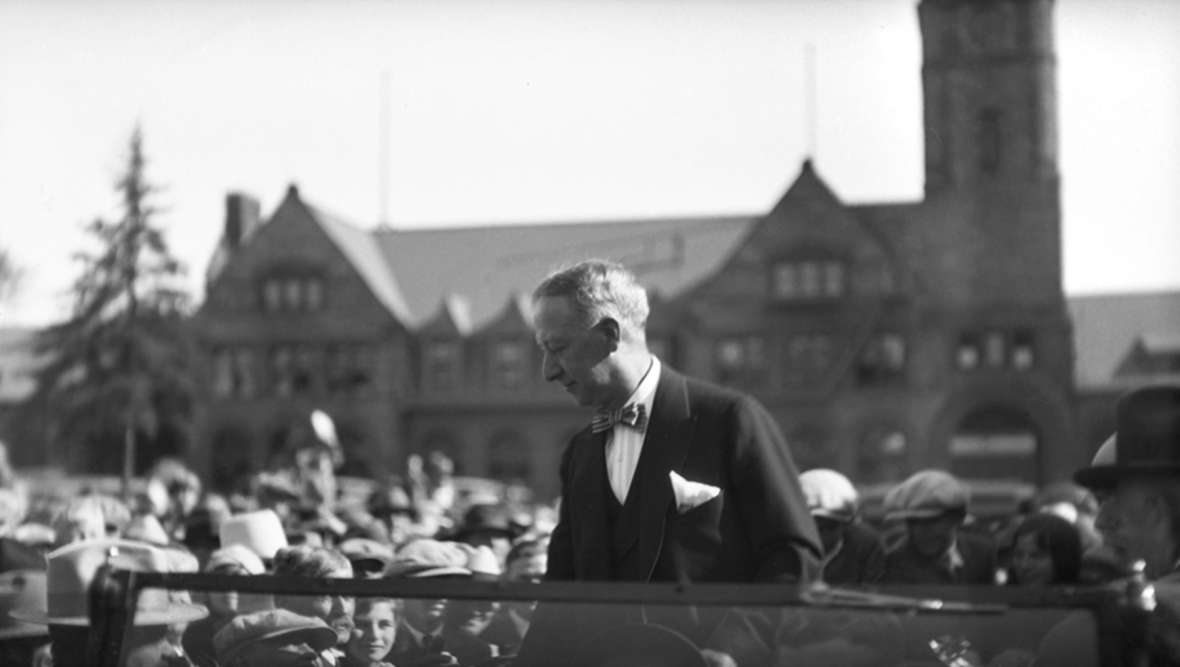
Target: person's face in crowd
279, 652
1136, 524
336, 610
376, 629
471, 616
831, 532
1032, 565
425, 615
932, 537
575, 355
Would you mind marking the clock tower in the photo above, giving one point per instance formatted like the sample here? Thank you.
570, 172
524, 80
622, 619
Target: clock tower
989, 88
990, 117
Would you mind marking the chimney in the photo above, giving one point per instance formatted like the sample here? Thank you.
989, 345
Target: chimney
241, 218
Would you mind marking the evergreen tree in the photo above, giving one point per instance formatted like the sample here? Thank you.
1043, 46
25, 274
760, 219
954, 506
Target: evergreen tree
9, 275
118, 372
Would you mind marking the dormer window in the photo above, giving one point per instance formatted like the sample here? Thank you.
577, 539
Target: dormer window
509, 359
808, 279
292, 292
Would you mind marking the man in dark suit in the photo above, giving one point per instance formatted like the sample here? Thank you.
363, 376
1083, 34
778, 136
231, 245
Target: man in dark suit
675, 479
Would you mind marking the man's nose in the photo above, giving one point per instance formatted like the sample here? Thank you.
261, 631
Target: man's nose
550, 368
1107, 519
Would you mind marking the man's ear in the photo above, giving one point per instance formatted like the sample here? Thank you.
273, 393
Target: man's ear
609, 328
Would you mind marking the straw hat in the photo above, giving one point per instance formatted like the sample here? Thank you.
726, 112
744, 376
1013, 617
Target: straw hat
21, 589
72, 568
261, 531
829, 494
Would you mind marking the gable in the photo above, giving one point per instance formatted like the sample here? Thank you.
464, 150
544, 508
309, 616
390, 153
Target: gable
809, 223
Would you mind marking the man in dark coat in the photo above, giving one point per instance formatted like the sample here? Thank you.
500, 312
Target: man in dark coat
674, 479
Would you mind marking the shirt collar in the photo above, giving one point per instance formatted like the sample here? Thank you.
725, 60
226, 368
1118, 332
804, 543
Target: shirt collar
953, 558
645, 392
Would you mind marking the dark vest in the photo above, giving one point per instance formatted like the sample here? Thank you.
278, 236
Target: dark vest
623, 523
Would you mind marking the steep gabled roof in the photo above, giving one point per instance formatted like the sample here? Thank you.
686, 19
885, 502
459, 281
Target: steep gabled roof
487, 264
363, 252
453, 317
514, 318
1107, 326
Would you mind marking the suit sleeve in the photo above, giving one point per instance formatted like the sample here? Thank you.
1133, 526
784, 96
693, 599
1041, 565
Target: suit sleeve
560, 565
783, 536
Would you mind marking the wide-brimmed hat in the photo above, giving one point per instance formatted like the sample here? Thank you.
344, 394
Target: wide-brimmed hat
72, 568
643, 644
1146, 439
261, 531
21, 589
247, 629
927, 494
829, 494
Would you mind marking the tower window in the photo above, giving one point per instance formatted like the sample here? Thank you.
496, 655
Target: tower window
989, 130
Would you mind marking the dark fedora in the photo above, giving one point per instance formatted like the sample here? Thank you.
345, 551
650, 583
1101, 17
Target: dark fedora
485, 519
1146, 439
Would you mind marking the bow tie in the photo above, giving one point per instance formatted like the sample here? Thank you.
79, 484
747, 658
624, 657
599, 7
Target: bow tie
632, 415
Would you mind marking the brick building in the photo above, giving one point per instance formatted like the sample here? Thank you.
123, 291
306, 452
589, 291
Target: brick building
884, 337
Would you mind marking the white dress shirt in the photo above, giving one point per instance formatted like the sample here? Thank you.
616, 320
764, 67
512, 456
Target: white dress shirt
624, 443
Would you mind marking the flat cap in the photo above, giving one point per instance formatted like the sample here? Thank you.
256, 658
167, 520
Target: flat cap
247, 629
430, 558
925, 495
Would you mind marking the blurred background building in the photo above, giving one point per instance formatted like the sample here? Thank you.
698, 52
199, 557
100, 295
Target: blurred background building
884, 337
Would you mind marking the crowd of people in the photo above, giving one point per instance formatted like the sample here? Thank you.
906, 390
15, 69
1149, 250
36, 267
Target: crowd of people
420, 527
674, 480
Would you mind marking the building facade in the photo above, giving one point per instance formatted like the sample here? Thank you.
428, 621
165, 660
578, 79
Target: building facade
883, 337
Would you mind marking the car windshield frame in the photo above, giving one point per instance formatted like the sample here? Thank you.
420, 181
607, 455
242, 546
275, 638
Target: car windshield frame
1116, 609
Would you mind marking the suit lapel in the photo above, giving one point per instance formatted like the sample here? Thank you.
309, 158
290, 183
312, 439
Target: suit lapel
590, 494
665, 446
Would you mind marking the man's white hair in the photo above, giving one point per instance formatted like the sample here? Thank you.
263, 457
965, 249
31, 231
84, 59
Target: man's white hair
600, 288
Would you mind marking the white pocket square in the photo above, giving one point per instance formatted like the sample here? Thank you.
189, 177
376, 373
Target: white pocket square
690, 494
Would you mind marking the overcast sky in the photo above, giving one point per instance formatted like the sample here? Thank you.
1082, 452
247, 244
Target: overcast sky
513, 111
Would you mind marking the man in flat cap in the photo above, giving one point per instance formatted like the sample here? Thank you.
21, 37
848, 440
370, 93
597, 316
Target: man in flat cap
933, 504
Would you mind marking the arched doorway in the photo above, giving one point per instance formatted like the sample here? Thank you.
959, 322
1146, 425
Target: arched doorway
995, 442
